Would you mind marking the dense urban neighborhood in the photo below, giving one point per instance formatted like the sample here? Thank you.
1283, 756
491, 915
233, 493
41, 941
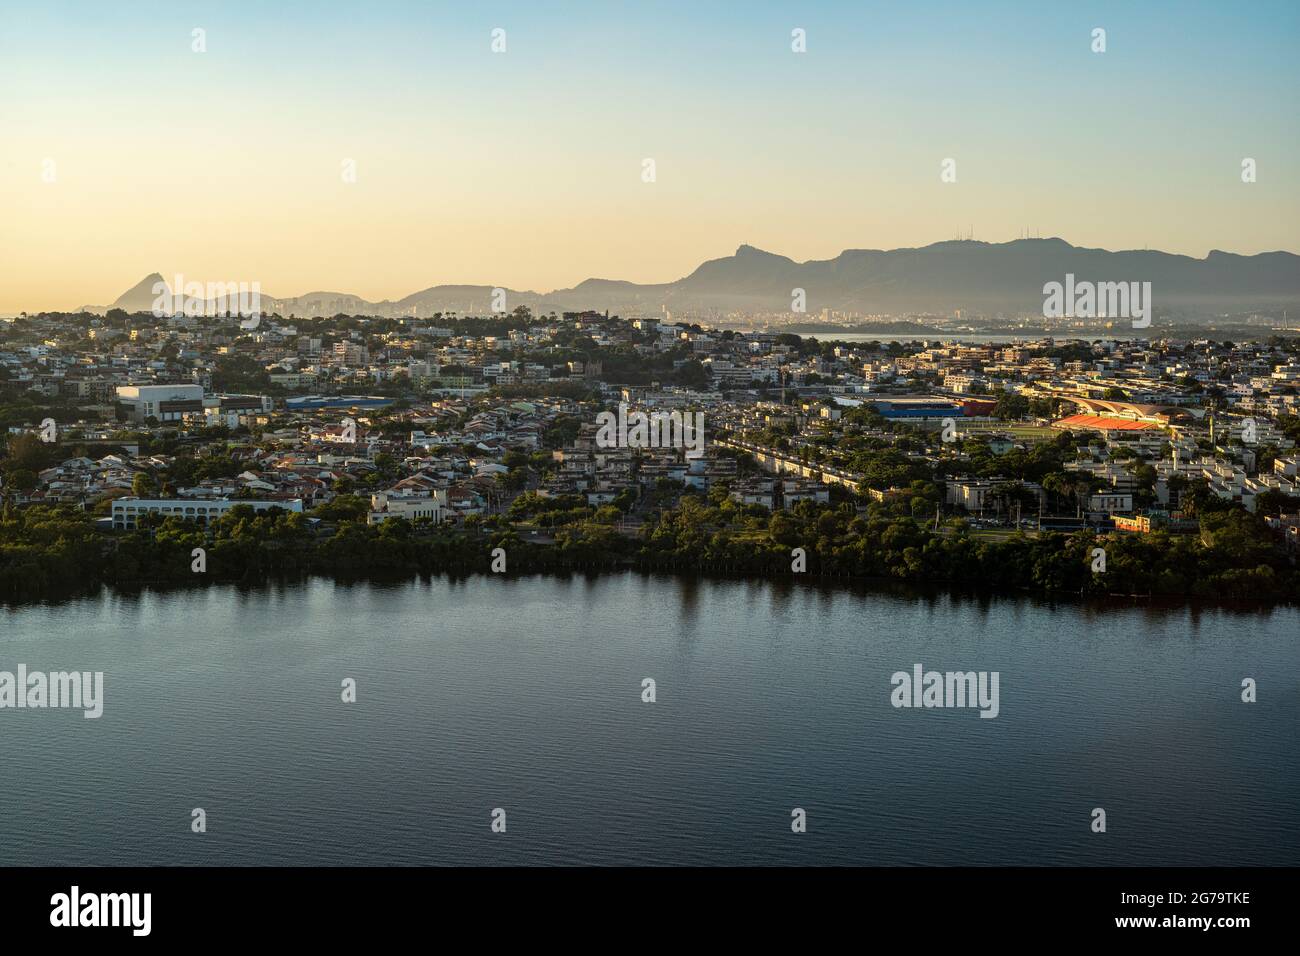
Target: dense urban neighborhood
147, 450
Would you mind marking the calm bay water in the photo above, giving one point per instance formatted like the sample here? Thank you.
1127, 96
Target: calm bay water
525, 694
971, 338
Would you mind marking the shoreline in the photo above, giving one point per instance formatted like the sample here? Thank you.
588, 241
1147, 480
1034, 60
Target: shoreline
826, 582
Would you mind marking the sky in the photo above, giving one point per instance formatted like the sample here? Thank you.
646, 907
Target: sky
123, 151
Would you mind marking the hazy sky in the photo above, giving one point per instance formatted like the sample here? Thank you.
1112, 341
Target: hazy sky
524, 168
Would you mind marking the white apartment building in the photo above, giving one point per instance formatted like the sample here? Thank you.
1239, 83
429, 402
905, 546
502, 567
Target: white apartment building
294, 379
1287, 467
1110, 503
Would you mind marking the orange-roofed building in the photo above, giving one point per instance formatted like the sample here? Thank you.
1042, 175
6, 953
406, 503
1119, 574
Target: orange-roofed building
1102, 423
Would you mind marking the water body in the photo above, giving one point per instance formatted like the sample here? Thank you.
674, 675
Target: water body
965, 337
969, 338
525, 694
1235, 334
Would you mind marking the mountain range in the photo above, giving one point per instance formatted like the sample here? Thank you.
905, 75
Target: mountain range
936, 279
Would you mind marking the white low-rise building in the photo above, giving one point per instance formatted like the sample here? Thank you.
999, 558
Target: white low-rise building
127, 511
384, 506
166, 403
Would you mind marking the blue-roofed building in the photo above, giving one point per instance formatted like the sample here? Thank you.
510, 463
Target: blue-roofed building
318, 402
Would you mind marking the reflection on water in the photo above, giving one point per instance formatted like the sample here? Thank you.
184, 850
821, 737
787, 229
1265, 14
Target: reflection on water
524, 693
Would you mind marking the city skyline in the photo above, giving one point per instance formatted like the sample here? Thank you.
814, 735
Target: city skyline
613, 436
525, 168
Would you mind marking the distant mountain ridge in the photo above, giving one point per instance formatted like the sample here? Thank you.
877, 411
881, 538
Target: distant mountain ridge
937, 279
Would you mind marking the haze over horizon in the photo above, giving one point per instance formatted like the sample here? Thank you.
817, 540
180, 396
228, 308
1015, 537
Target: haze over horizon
397, 294
935, 279
523, 169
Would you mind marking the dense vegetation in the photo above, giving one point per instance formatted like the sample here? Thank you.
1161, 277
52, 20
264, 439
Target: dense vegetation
1234, 556
56, 551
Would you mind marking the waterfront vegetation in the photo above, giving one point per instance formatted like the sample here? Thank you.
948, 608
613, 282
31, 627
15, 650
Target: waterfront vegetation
56, 551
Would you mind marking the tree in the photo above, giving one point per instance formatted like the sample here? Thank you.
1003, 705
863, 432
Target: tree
692, 374
1272, 502
1010, 406
24, 479
27, 451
